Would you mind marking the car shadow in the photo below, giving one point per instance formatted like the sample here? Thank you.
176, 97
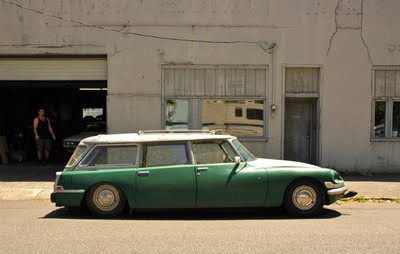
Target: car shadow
200, 214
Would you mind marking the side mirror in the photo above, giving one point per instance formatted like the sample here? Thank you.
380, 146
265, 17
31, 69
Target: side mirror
237, 160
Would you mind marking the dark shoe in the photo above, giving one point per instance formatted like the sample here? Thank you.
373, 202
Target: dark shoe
41, 162
45, 161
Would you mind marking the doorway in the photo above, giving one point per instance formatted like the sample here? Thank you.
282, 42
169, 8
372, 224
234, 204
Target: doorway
301, 130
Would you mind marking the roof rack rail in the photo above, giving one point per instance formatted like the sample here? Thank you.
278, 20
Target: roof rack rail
141, 132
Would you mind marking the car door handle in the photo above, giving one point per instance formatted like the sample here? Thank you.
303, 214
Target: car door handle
143, 173
202, 169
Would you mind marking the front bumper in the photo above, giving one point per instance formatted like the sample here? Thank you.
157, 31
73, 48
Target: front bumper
334, 194
338, 191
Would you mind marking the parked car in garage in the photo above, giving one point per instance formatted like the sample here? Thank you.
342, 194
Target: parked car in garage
92, 129
191, 169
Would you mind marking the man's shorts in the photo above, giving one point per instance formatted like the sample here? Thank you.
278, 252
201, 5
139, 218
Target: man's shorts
43, 144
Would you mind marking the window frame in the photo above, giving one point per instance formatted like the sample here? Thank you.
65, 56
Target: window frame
196, 110
389, 108
81, 166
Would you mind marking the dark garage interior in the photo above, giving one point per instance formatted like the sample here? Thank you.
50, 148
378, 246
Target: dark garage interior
65, 102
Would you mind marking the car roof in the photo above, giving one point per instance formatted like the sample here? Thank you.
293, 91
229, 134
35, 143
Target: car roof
151, 137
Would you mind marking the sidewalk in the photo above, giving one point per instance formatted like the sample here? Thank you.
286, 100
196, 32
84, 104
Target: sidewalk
30, 181
375, 186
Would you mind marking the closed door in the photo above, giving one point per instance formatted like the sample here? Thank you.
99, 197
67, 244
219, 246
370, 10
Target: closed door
223, 183
166, 178
300, 130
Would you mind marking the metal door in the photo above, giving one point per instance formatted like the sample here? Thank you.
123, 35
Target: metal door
230, 185
301, 130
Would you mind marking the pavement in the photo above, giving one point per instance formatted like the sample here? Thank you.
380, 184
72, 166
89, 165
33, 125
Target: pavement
31, 181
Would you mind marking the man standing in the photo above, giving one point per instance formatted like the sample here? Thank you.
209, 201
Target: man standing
43, 133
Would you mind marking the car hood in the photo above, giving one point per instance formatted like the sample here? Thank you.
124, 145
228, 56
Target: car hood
82, 135
270, 163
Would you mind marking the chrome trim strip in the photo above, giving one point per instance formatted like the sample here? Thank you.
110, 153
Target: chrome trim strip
70, 191
337, 191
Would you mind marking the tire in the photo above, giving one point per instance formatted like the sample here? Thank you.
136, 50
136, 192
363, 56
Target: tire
304, 198
105, 200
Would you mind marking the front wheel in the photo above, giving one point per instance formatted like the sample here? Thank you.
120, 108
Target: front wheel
304, 198
105, 200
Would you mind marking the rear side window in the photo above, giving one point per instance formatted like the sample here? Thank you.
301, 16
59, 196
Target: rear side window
162, 154
101, 156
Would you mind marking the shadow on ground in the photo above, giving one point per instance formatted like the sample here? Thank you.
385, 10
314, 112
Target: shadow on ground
206, 214
30, 171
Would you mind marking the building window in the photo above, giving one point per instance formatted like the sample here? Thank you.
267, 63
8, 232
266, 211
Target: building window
380, 119
386, 103
225, 98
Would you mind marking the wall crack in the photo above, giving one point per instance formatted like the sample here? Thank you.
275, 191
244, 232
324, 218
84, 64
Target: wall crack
337, 28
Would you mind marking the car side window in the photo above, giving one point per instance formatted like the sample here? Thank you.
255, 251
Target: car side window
163, 154
111, 155
213, 151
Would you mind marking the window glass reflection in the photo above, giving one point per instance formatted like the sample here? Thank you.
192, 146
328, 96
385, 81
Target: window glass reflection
380, 117
237, 117
396, 119
176, 114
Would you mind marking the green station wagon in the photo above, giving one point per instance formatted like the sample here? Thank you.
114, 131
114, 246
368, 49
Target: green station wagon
191, 169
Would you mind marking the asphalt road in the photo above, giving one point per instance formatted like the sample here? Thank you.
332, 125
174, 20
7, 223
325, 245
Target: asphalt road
39, 227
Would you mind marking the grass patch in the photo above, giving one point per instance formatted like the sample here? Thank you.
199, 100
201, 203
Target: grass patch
362, 199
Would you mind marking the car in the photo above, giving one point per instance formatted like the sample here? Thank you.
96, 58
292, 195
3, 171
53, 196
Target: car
187, 169
92, 129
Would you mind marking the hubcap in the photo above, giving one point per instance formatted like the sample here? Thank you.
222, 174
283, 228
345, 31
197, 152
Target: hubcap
304, 197
106, 198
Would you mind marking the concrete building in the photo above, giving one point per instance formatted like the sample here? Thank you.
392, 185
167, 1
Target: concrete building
309, 80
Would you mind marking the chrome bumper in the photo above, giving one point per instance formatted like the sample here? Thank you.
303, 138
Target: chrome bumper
338, 191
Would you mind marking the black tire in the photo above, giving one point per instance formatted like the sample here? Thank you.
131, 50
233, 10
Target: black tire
105, 200
304, 198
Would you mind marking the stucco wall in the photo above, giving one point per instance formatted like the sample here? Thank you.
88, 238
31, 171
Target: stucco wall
344, 38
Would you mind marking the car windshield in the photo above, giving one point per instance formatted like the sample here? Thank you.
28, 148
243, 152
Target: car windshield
242, 150
96, 127
78, 152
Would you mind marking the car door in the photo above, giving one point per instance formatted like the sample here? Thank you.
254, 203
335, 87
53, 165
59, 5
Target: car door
166, 178
223, 183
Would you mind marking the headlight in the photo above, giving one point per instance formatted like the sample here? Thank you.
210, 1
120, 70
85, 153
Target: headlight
330, 185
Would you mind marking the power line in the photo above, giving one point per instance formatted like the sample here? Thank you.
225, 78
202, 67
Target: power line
264, 45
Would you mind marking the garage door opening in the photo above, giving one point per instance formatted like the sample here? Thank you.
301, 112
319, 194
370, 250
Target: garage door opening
70, 106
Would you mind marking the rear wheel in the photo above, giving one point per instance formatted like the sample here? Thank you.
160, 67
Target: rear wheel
105, 200
304, 198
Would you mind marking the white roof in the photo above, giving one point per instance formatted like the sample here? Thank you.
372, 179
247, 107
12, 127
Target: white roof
150, 137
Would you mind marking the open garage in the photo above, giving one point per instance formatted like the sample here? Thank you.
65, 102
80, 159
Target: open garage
72, 90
